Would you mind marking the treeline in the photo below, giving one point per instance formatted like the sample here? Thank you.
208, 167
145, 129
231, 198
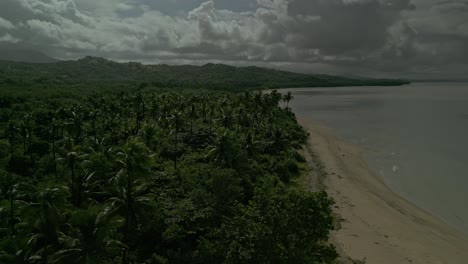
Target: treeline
98, 72
157, 177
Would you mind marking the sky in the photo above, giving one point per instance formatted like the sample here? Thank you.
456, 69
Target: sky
422, 39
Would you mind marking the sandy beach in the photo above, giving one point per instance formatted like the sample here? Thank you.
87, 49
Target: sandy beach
378, 225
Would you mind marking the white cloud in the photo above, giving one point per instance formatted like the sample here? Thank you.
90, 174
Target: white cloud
8, 38
124, 7
361, 33
6, 24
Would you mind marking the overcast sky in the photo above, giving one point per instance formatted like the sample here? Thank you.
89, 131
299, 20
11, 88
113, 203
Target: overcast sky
393, 38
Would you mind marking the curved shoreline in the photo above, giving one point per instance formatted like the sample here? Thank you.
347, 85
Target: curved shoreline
379, 225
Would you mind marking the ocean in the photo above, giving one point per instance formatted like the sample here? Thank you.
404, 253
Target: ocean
414, 136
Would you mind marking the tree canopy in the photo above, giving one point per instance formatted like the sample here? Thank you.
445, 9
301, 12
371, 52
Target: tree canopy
146, 176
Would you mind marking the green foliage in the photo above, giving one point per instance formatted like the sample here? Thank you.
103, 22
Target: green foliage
156, 177
277, 226
98, 72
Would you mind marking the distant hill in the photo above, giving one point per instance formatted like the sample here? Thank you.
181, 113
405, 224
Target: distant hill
92, 71
31, 56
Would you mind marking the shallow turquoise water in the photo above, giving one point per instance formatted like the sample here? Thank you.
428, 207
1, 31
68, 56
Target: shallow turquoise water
414, 136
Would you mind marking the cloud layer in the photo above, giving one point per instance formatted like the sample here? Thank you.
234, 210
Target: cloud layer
376, 37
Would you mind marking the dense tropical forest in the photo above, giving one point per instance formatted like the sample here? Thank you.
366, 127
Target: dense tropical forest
98, 72
145, 175
106, 162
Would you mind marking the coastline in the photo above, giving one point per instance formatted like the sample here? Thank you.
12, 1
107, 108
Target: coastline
378, 226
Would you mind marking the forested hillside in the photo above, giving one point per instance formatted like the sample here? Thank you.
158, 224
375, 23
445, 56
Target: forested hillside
104, 73
156, 177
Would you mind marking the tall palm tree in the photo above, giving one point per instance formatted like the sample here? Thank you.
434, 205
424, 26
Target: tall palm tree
24, 130
94, 116
85, 186
274, 97
251, 145
149, 133
226, 118
176, 124
94, 230
222, 151
192, 116
154, 108
134, 159
9, 189
278, 140
12, 131
45, 219
77, 125
72, 159
287, 98
53, 133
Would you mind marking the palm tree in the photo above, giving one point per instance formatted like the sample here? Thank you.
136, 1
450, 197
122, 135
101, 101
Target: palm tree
257, 100
72, 159
192, 116
94, 116
278, 141
53, 133
154, 108
12, 130
139, 110
69, 126
9, 187
287, 98
176, 124
26, 133
226, 118
274, 97
94, 231
24, 130
222, 151
250, 145
134, 159
85, 186
77, 125
149, 133
45, 220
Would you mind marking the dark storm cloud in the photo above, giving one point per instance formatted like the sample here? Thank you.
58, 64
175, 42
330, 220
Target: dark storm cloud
428, 42
385, 37
346, 26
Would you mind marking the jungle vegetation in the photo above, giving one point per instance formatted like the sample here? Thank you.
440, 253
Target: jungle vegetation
98, 72
153, 176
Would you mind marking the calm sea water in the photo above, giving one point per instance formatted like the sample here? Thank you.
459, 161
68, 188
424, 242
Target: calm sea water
414, 136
